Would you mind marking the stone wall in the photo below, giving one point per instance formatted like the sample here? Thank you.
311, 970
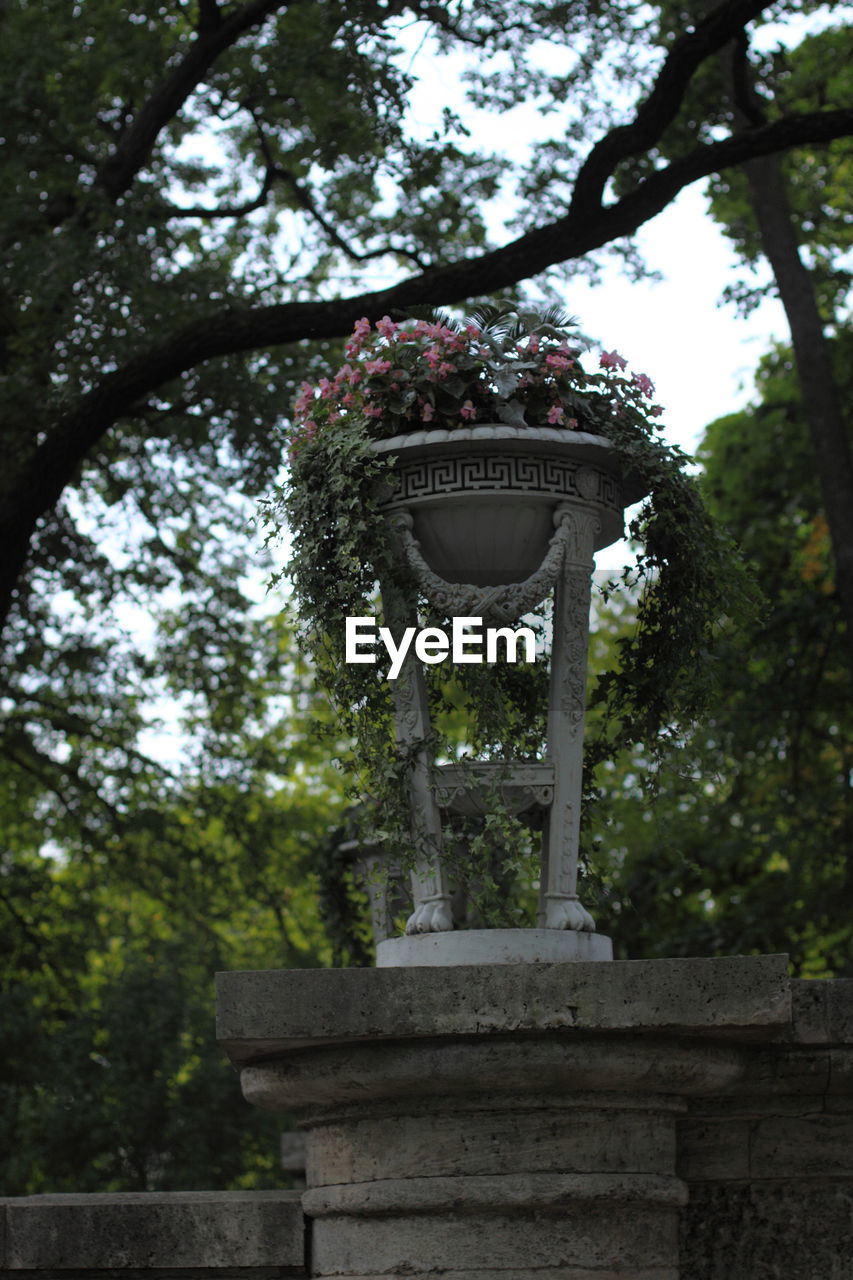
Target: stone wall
640, 1120
181, 1235
660, 1120
769, 1163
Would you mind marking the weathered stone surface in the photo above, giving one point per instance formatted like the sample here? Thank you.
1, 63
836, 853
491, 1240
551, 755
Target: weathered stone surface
314, 1080
494, 946
535, 1273
262, 1014
713, 1149
767, 1231
497, 1138
801, 1147
822, 1012
514, 1119
586, 1236
229, 1230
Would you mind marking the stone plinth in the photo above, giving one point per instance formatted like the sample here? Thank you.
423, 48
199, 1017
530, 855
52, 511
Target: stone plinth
177, 1235
770, 1161
503, 1120
492, 946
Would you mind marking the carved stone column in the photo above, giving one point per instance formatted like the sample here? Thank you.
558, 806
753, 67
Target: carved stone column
496, 1121
559, 905
430, 892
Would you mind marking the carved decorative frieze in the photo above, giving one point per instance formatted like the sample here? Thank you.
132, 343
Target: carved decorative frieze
465, 788
426, 478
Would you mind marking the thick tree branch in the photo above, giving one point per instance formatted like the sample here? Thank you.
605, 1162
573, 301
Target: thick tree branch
120, 168
580, 231
661, 106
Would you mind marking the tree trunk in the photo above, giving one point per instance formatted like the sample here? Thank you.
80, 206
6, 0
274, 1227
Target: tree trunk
812, 355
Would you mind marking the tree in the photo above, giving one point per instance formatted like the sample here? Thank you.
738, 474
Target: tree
790, 210
744, 849
113, 1080
131, 315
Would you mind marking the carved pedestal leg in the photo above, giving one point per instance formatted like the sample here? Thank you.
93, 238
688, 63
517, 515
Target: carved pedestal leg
430, 892
559, 905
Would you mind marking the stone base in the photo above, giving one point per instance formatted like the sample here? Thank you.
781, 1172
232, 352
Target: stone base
493, 946
499, 1119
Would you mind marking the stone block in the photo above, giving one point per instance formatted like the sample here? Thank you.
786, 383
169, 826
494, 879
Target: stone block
817, 1146
767, 1231
150, 1231
497, 1137
713, 1149
263, 1014
437, 1225
822, 1011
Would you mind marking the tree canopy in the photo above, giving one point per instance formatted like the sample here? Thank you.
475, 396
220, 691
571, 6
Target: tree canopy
149, 279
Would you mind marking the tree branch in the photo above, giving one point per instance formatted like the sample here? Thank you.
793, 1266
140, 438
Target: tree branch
305, 202
119, 170
169, 211
661, 106
231, 330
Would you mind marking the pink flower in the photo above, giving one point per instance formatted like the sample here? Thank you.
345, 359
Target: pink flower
362, 327
612, 360
427, 413
556, 416
302, 401
386, 327
557, 361
644, 384
445, 368
468, 410
326, 388
376, 366
656, 411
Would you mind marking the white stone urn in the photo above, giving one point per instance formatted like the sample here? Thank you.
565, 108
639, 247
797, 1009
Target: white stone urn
490, 519
483, 498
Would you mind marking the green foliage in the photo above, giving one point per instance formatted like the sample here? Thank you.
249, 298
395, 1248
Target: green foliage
124, 885
744, 848
805, 78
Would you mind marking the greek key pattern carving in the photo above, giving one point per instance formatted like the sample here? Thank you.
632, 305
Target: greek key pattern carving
427, 478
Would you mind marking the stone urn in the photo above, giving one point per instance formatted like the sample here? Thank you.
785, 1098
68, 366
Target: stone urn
490, 519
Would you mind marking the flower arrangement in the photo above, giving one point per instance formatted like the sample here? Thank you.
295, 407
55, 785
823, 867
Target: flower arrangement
520, 368
517, 368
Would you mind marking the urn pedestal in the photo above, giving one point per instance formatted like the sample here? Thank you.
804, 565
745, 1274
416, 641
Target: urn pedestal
497, 1121
489, 520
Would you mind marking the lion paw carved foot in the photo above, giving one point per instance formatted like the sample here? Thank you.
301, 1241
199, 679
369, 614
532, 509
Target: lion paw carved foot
430, 917
567, 913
